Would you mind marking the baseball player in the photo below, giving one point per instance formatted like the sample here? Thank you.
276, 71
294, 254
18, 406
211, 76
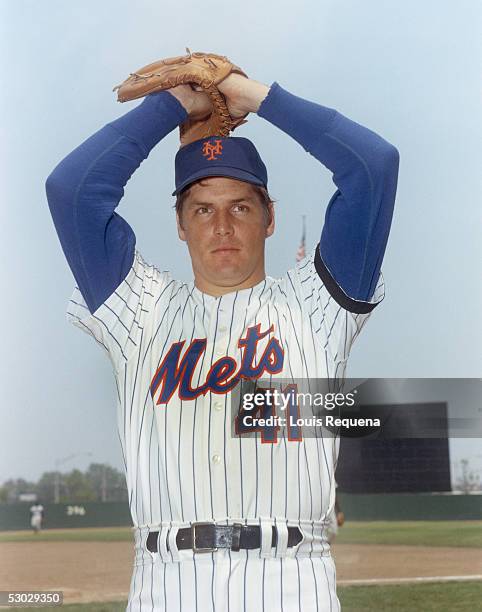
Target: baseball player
224, 522
335, 520
36, 518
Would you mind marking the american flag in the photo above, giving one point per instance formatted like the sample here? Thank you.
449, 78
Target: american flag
301, 252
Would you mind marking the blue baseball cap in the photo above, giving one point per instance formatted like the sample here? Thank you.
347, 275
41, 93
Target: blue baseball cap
219, 156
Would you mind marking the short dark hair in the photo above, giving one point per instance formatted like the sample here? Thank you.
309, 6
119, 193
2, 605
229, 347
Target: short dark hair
260, 191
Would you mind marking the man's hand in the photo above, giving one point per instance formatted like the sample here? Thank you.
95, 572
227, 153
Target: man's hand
196, 103
242, 95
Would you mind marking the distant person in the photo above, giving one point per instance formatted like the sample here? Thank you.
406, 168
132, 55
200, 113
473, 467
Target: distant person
37, 512
336, 519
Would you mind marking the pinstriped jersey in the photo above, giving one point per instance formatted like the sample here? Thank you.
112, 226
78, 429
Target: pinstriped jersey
178, 355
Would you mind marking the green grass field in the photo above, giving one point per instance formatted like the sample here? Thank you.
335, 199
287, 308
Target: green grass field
436, 597
413, 533
114, 606
86, 534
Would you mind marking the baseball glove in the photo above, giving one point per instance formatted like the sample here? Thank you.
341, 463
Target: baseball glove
200, 70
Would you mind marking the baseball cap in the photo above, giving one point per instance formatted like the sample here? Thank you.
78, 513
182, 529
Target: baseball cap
233, 157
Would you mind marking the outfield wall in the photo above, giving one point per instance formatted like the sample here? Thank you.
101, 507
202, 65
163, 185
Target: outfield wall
60, 516
411, 507
380, 507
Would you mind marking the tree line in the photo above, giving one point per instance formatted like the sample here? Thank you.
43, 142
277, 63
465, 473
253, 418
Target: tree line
99, 483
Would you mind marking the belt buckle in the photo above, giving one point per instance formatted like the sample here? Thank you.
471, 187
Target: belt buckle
193, 537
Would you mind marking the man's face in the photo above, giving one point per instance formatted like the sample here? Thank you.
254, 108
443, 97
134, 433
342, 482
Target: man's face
225, 225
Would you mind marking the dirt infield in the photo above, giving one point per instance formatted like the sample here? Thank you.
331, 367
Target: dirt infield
84, 571
101, 571
384, 562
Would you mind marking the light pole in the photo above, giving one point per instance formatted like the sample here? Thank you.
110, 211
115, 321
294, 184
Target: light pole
103, 495
59, 462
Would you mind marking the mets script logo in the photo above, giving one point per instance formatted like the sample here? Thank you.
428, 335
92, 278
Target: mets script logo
177, 373
210, 150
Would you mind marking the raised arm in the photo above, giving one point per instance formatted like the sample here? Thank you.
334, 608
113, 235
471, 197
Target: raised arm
365, 170
85, 188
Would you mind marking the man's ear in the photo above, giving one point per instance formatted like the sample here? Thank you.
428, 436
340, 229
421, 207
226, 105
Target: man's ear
271, 223
180, 231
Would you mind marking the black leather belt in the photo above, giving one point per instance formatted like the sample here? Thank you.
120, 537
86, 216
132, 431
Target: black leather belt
208, 537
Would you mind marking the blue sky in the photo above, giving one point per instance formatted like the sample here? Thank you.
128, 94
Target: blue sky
409, 71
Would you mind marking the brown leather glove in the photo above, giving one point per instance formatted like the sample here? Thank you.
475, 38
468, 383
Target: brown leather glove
204, 70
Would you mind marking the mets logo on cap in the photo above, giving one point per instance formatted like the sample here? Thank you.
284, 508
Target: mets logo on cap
212, 150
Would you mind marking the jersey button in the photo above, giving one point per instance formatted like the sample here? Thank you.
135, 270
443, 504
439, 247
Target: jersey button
223, 329
216, 459
218, 405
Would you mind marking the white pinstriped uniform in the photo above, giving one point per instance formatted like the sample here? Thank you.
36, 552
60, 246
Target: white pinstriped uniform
182, 462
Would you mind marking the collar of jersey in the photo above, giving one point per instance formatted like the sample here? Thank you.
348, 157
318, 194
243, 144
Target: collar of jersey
242, 295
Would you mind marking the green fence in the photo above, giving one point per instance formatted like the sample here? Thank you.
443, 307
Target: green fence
411, 507
381, 507
59, 516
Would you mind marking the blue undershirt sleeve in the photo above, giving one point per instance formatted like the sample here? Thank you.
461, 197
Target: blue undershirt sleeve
365, 171
85, 188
